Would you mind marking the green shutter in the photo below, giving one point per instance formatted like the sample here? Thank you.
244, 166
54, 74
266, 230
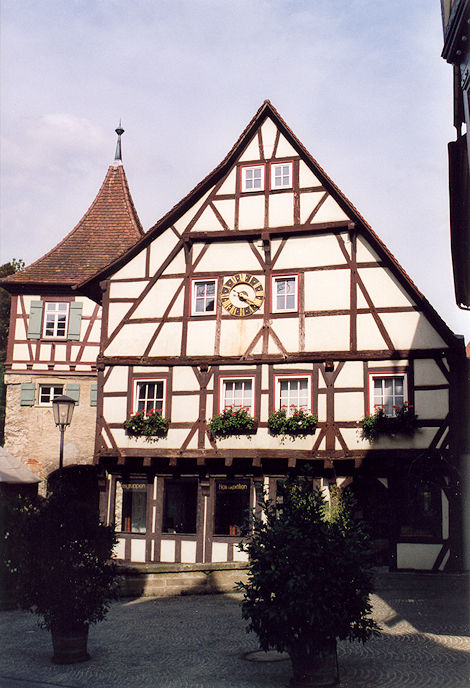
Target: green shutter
75, 320
73, 391
93, 394
35, 320
27, 394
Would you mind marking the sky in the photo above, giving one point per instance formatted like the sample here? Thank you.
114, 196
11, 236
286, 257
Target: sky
362, 85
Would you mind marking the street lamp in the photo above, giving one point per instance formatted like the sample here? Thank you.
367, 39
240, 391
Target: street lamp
63, 412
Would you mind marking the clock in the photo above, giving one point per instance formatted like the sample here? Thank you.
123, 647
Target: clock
242, 294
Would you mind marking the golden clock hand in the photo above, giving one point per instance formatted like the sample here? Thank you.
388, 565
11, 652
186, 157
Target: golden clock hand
244, 297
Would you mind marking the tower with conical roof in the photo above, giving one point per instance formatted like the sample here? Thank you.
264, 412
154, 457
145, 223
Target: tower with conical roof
55, 330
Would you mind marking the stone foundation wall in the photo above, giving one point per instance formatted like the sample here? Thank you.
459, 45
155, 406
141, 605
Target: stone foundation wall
31, 434
168, 580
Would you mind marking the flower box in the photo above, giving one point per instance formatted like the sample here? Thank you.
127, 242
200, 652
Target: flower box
296, 424
404, 422
147, 424
232, 422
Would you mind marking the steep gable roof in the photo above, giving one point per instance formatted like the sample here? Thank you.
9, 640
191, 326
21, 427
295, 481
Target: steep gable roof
247, 141
109, 227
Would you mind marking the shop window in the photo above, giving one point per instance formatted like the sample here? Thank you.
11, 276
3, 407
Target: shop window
281, 175
149, 395
252, 178
131, 506
388, 392
237, 393
232, 504
203, 296
293, 393
180, 506
420, 512
285, 294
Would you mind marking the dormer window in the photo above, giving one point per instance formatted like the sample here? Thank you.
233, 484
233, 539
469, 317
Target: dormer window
252, 178
281, 175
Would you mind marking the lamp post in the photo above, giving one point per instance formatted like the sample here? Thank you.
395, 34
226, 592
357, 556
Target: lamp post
63, 412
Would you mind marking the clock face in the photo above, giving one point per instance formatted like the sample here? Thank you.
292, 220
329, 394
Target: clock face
242, 294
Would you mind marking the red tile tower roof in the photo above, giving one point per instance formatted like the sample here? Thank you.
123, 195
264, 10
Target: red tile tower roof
109, 227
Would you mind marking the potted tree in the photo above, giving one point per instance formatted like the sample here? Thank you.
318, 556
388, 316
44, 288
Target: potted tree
309, 582
60, 557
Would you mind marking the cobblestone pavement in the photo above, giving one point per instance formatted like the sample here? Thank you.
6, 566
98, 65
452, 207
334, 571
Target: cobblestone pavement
200, 642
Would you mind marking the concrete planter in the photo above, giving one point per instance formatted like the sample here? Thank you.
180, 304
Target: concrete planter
70, 645
318, 666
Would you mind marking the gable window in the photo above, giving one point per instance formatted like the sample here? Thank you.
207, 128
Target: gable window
285, 293
204, 296
281, 175
253, 178
47, 393
388, 392
293, 393
149, 395
237, 393
56, 315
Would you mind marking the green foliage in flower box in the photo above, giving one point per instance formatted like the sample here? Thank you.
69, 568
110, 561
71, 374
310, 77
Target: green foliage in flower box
298, 423
147, 423
404, 422
232, 422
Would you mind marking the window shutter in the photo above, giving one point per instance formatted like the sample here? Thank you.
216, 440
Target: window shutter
27, 394
93, 394
75, 320
73, 391
35, 320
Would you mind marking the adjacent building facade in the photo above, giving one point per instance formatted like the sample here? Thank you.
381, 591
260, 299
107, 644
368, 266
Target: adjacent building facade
265, 290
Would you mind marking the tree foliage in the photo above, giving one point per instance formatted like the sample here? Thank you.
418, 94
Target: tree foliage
309, 578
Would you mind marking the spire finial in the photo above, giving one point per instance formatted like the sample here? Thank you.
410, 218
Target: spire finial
119, 132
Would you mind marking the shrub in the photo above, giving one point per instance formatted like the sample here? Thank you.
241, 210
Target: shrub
147, 423
403, 422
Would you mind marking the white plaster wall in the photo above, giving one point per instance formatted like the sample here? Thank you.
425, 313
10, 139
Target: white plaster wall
238, 555
268, 134
231, 257
126, 290
251, 212
351, 375
287, 329
416, 556
411, 331
131, 340
201, 337
219, 551
327, 333
284, 149
281, 209
116, 313
158, 299
160, 248
184, 409
349, 405
329, 212
20, 330
188, 551
137, 550
251, 152
427, 372
364, 252
168, 342
115, 409
237, 334
327, 290
228, 186
184, 378
306, 176
21, 351
308, 202
382, 287
117, 380
120, 548
432, 404
368, 333
310, 252
227, 209
134, 268
207, 222
181, 224
167, 550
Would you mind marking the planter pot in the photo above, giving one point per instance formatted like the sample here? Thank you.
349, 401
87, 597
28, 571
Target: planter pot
318, 666
70, 645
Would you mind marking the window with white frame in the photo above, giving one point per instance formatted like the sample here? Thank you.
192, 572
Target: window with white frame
285, 293
204, 296
293, 393
387, 391
149, 395
56, 316
281, 175
47, 393
253, 178
237, 393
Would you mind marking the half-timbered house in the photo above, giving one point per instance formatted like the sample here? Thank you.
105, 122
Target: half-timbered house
265, 289
55, 331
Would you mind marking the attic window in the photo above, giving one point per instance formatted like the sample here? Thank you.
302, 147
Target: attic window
281, 176
252, 178
55, 319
